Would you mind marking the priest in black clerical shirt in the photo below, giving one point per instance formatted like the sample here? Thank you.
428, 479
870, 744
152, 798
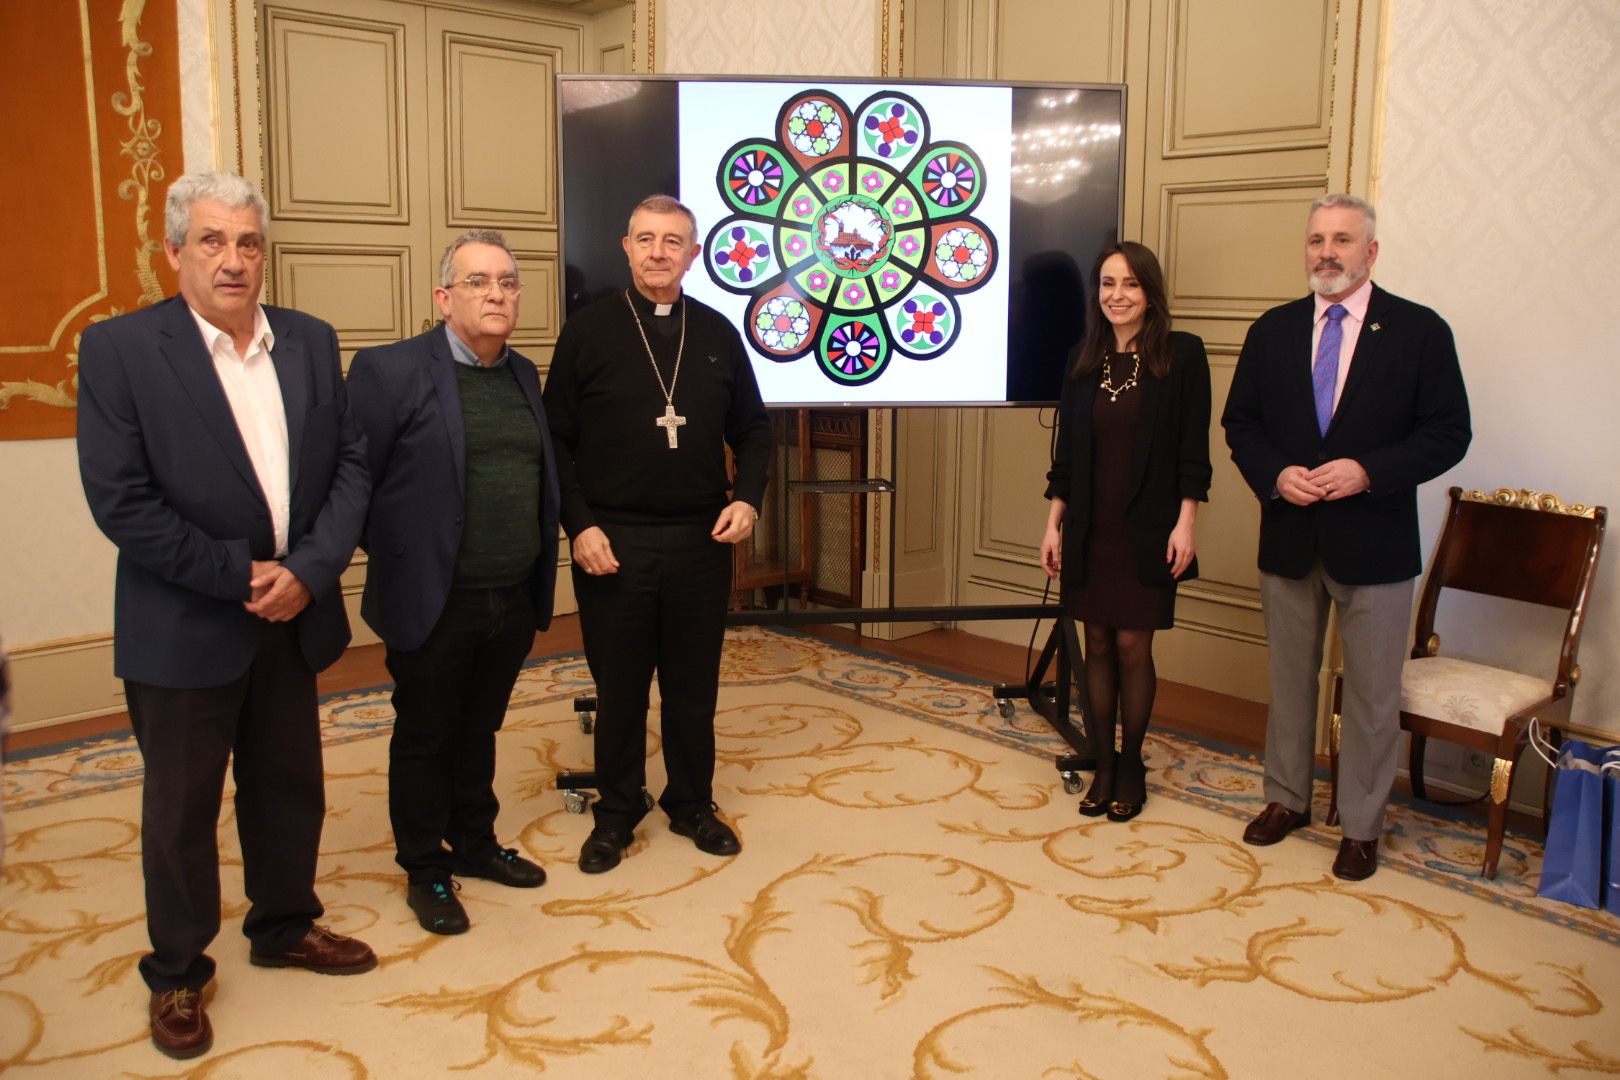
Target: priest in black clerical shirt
647, 389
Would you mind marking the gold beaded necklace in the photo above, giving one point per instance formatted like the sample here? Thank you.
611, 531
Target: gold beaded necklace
1108, 386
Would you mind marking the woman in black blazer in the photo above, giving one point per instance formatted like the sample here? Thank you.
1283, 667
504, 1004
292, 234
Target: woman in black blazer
1130, 468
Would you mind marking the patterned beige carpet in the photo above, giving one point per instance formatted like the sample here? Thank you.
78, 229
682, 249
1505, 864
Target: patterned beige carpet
916, 897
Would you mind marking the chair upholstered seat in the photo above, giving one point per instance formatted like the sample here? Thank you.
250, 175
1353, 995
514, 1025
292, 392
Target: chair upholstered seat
1510, 544
1467, 694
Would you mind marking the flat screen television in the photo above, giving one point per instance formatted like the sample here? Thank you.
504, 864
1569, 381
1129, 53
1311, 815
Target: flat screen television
877, 243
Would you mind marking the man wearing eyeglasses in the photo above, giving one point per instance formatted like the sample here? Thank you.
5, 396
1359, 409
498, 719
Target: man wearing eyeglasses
462, 546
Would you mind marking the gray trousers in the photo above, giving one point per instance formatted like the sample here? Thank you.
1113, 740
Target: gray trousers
1374, 623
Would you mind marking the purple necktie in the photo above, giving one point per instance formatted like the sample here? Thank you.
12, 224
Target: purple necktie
1325, 374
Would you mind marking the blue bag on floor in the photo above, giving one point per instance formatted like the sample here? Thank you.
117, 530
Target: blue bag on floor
1572, 867
1611, 829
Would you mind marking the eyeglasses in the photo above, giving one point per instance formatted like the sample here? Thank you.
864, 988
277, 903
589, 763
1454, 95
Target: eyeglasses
479, 283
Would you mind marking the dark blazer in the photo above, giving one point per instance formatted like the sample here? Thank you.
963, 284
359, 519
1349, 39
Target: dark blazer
407, 401
1403, 416
169, 481
1169, 461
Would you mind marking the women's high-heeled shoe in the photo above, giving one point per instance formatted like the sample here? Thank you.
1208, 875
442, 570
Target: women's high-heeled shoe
1119, 811
1096, 800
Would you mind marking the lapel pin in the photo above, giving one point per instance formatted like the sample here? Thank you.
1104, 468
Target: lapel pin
1375, 326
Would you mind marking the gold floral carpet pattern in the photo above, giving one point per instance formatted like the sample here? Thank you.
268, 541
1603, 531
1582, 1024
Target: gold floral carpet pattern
916, 897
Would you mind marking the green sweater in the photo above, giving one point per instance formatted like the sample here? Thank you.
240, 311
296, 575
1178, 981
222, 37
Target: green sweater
500, 537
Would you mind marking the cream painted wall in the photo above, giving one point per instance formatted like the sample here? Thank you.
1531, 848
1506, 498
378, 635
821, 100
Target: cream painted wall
816, 37
1501, 144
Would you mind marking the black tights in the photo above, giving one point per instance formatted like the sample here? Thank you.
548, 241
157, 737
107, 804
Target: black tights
1120, 682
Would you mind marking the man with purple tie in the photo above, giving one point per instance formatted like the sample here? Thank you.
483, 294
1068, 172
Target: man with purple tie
1342, 403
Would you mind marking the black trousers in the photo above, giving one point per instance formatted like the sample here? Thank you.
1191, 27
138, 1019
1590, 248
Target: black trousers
265, 725
664, 610
450, 699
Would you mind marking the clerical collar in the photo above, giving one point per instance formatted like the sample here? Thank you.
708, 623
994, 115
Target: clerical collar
650, 307
463, 354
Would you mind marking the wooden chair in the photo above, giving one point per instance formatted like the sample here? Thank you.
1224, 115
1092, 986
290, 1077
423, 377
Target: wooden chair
1515, 545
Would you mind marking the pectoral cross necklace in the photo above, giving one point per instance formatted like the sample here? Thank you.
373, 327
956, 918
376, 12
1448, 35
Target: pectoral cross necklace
669, 421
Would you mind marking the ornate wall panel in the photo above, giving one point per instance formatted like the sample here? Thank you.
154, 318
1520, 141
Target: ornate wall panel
539, 317
500, 94
363, 292
340, 83
1059, 42
1014, 448
92, 99
1210, 272
1249, 75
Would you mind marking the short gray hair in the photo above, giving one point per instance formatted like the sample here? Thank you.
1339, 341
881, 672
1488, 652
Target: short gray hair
1338, 200
663, 204
447, 268
221, 187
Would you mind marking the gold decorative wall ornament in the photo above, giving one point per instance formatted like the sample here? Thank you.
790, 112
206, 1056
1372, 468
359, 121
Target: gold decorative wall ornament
1526, 499
141, 148
94, 169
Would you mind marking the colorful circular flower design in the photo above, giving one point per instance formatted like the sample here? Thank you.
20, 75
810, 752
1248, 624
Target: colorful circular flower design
855, 234
853, 352
962, 254
892, 128
741, 254
815, 127
756, 177
924, 323
783, 322
950, 179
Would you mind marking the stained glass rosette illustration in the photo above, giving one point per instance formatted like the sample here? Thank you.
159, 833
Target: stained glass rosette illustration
852, 233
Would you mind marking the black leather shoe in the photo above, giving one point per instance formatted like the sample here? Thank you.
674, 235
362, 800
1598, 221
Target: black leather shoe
711, 835
503, 865
437, 908
1357, 860
1273, 823
180, 1027
603, 849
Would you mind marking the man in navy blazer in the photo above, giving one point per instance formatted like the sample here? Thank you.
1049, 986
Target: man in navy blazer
1341, 405
462, 546
219, 455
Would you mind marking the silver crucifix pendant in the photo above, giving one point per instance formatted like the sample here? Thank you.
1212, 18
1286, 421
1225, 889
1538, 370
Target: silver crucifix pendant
669, 422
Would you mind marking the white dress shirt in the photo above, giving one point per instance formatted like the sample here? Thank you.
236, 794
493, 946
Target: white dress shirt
254, 394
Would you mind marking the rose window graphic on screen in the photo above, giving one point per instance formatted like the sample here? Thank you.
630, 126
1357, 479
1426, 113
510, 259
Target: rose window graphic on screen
852, 233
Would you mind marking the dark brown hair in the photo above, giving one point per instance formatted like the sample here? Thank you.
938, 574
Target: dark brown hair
1153, 340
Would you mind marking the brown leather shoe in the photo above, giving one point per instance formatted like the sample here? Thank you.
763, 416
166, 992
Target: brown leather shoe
180, 1028
1273, 823
321, 951
1357, 860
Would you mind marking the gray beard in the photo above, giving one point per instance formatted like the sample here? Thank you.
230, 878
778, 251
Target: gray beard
1332, 286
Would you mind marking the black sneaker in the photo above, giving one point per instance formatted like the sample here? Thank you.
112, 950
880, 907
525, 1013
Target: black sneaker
436, 907
709, 833
504, 865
